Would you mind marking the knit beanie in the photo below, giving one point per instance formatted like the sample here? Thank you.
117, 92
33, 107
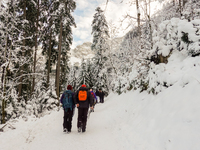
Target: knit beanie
83, 85
69, 87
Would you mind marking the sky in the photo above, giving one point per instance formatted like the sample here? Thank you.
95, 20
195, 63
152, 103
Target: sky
115, 10
85, 11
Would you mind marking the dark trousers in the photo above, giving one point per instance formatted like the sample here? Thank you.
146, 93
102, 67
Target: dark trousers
82, 118
101, 100
67, 123
95, 101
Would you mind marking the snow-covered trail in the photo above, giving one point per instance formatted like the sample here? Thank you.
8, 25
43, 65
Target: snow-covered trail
130, 121
46, 133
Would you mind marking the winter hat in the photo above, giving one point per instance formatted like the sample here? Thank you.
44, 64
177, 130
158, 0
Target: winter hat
69, 87
83, 85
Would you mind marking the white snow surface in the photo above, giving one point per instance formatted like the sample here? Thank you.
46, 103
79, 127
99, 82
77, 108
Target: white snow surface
130, 121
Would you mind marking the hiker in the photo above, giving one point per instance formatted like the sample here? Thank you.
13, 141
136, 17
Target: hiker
67, 101
83, 99
94, 98
97, 95
101, 95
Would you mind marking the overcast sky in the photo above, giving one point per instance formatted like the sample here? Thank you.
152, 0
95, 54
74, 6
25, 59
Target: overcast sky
85, 10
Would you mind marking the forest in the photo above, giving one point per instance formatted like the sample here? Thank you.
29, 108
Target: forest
35, 45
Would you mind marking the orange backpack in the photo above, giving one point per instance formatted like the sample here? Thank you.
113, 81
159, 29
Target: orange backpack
82, 95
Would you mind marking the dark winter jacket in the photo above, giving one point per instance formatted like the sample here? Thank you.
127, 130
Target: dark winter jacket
97, 93
101, 95
84, 104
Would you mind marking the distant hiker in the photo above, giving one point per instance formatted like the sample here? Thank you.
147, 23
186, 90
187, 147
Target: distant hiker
83, 99
68, 105
94, 98
97, 95
101, 95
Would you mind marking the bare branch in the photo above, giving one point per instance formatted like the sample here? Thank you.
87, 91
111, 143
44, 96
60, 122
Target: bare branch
131, 17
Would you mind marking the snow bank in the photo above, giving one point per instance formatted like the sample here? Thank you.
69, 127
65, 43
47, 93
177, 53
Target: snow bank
180, 69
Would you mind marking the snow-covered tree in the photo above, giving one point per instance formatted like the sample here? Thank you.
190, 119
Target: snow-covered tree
73, 77
100, 34
63, 23
10, 47
191, 10
82, 73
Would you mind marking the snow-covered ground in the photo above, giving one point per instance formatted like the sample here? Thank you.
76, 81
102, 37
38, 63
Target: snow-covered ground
131, 121
169, 120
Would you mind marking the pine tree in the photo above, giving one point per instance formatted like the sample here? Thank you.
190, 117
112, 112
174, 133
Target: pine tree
28, 12
73, 77
90, 78
48, 37
36, 42
100, 34
64, 20
9, 49
82, 74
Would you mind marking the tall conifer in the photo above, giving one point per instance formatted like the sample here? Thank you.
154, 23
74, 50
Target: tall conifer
100, 34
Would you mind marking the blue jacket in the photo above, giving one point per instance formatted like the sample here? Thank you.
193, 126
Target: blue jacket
93, 94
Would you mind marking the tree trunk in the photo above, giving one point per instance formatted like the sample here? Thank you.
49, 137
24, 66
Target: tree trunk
138, 18
21, 69
180, 7
4, 84
36, 47
62, 78
58, 62
4, 102
150, 28
49, 56
5, 76
184, 2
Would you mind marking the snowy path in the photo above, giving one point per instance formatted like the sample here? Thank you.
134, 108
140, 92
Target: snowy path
46, 134
131, 121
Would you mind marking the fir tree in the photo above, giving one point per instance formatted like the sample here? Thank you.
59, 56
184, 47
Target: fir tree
48, 38
100, 34
73, 77
28, 12
9, 49
82, 74
90, 78
64, 20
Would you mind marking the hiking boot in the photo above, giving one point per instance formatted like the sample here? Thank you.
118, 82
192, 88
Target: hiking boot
68, 131
65, 130
79, 129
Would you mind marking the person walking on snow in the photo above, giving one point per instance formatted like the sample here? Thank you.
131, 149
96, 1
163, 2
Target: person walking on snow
97, 95
101, 96
83, 99
68, 105
94, 98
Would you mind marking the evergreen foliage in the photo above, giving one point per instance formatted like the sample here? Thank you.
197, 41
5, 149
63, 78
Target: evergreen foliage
100, 34
20, 35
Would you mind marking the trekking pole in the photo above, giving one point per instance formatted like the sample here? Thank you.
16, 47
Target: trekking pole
89, 113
